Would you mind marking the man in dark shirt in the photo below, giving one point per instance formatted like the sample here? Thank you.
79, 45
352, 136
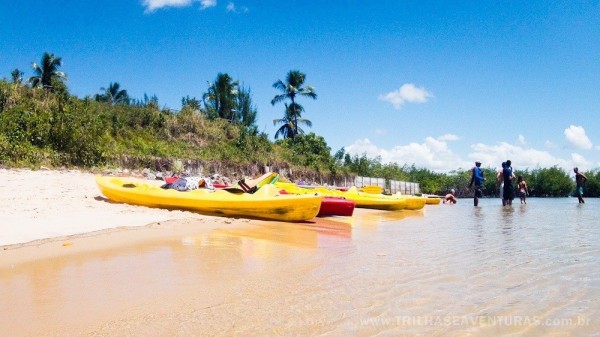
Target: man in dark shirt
509, 190
580, 180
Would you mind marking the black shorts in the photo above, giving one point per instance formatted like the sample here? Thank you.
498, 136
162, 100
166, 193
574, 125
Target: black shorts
478, 192
509, 192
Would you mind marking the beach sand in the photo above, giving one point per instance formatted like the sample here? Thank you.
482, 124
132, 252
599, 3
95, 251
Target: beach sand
37, 205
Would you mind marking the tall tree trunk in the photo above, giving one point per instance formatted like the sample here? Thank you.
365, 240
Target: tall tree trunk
295, 131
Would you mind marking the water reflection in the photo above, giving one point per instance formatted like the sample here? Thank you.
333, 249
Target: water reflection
478, 214
507, 213
127, 274
371, 220
522, 209
296, 234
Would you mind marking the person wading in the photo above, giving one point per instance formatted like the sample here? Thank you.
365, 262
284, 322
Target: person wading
477, 179
509, 191
580, 180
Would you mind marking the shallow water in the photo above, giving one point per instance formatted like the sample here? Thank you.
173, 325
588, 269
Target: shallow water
449, 270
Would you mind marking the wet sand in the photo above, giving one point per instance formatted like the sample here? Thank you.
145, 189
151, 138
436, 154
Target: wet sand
182, 277
73, 263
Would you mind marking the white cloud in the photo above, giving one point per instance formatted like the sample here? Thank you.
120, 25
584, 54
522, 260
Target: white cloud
407, 93
549, 145
380, 132
580, 161
448, 137
522, 140
152, 5
435, 154
364, 146
432, 154
577, 137
204, 4
232, 8
522, 158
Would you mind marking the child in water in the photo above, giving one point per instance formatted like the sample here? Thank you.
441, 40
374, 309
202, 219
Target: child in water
523, 190
450, 198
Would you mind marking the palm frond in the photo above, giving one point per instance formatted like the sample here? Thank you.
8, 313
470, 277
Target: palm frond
278, 98
305, 122
279, 85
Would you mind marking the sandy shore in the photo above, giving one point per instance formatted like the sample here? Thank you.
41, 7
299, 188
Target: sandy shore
73, 263
46, 204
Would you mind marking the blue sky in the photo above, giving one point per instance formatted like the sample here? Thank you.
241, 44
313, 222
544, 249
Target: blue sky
435, 83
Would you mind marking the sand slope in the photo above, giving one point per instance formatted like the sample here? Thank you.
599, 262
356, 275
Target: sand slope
45, 204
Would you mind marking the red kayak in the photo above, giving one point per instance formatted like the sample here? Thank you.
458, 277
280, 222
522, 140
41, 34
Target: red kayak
336, 206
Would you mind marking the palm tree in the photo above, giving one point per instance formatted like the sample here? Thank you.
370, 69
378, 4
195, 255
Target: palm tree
289, 127
246, 111
221, 98
146, 102
47, 72
292, 87
190, 102
17, 76
113, 95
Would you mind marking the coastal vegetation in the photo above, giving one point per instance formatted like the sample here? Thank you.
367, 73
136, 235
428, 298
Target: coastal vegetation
43, 124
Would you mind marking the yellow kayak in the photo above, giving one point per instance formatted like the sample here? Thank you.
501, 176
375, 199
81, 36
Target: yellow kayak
266, 203
415, 202
362, 199
373, 189
433, 200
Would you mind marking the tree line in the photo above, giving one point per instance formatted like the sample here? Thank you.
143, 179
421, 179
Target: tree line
225, 97
542, 182
41, 123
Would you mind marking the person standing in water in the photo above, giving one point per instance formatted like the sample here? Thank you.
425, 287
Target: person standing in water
500, 181
580, 180
508, 176
523, 190
477, 179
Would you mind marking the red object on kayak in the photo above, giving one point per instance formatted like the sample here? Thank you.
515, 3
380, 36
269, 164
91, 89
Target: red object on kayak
336, 206
170, 180
221, 186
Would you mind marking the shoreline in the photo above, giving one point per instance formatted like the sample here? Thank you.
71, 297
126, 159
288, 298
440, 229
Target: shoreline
20, 255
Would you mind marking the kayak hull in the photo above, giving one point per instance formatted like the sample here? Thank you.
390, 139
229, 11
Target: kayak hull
336, 206
415, 202
266, 203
